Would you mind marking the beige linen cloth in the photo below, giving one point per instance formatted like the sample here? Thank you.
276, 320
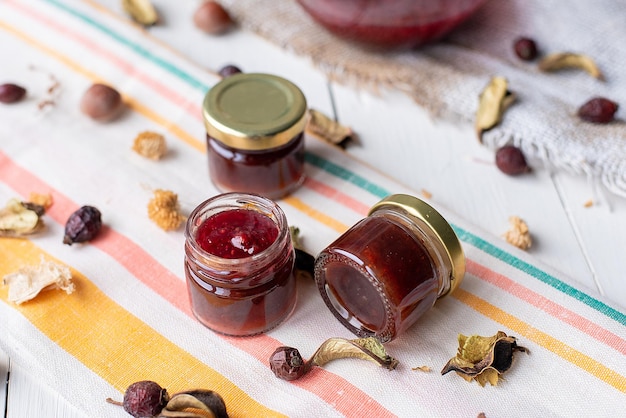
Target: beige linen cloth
447, 78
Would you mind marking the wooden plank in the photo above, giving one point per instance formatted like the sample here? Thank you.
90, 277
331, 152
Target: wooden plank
4, 380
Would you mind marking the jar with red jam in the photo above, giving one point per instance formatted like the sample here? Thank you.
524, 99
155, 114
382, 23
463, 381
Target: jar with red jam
387, 270
239, 263
255, 140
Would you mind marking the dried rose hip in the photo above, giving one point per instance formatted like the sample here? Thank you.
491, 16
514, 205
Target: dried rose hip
82, 225
228, 70
510, 160
287, 363
598, 110
145, 399
212, 18
101, 102
525, 49
11, 93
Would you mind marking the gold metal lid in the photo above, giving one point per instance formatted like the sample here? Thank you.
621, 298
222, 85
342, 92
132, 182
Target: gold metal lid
254, 111
426, 214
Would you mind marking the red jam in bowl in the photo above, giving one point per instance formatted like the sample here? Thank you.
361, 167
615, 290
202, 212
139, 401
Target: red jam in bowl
391, 23
239, 264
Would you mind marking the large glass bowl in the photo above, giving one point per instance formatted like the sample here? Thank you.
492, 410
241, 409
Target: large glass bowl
391, 23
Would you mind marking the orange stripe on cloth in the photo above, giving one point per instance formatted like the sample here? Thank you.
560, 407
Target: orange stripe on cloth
347, 398
570, 354
553, 309
130, 102
101, 342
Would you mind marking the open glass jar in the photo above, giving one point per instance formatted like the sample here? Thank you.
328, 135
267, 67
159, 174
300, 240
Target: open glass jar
255, 141
388, 269
239, 264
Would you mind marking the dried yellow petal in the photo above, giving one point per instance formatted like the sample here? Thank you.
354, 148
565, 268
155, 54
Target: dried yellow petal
493, 101
163, 209
518, 234
322, 127
483, 359
563, 60
424, 369
29, 281
141, 11
18, 219
150, 144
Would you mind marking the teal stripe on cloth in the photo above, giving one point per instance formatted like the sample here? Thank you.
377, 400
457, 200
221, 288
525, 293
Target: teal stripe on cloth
365, 184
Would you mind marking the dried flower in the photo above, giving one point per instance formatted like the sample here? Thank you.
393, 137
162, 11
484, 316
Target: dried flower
141, 11
288, 364
322, 127
163, 209
151, 145
483, 359
518, 234
20, 218
29, 281
566, 60
493, 102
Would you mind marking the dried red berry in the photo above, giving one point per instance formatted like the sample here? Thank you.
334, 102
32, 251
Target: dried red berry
82, 225
228, 70
526, 49
145, 399
11, 93
510, 160
101, 102
287, 363
598, 110
212, 18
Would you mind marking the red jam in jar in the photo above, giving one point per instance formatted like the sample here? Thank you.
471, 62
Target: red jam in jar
388, 269
239, 264
255, 141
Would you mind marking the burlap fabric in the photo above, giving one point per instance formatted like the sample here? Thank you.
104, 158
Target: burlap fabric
447, 78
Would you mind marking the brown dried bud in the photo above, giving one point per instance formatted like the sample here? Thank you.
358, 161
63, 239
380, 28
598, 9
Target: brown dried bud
102, 103
11, 93
82, 225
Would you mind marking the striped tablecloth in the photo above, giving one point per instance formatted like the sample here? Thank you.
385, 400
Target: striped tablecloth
129, 318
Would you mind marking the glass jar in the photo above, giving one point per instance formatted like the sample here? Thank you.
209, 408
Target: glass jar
389, 268
255, 141
239, 264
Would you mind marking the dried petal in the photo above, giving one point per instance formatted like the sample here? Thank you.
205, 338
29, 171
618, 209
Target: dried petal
483, 359
29, 281
141, 11
206, 403
18, 219
44, 200
564, 60
151, 145
493, 101
519, 234
322, 127
163, 209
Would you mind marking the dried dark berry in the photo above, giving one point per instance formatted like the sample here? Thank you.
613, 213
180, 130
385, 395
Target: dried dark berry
82, 225
510, 160
228, 70
145, 399
526, 49
598, 110
11, 93
287, 363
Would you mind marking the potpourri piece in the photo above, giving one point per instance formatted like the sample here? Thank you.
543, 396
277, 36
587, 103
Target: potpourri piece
18, 219
29, 281
493, 102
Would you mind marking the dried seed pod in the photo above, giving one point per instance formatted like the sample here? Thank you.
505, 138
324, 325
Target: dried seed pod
564, 60
598, 110
101, 102
493, 102
210, 17
141, 11
82, 225
11, 93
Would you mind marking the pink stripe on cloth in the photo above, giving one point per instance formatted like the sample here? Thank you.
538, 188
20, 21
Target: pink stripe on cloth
350, 400
555, 310
334, 194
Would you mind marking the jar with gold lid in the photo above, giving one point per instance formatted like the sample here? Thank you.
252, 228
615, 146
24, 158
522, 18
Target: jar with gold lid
388, 269
255, 141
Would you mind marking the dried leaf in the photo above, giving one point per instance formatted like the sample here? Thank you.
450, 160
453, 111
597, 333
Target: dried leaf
518, 234
18, 219
141, 11
29, 281
424, 369
197, 403
493, 102
564, 60
483, 359
321, 126
364, 348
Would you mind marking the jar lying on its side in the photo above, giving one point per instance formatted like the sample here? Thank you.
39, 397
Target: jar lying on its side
255, 134
388, 269
239, 264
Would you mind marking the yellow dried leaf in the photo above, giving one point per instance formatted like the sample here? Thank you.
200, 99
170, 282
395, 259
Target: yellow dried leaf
141, 11
564, 60
493, 102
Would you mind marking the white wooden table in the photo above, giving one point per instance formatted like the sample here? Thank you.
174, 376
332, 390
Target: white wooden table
586, 243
